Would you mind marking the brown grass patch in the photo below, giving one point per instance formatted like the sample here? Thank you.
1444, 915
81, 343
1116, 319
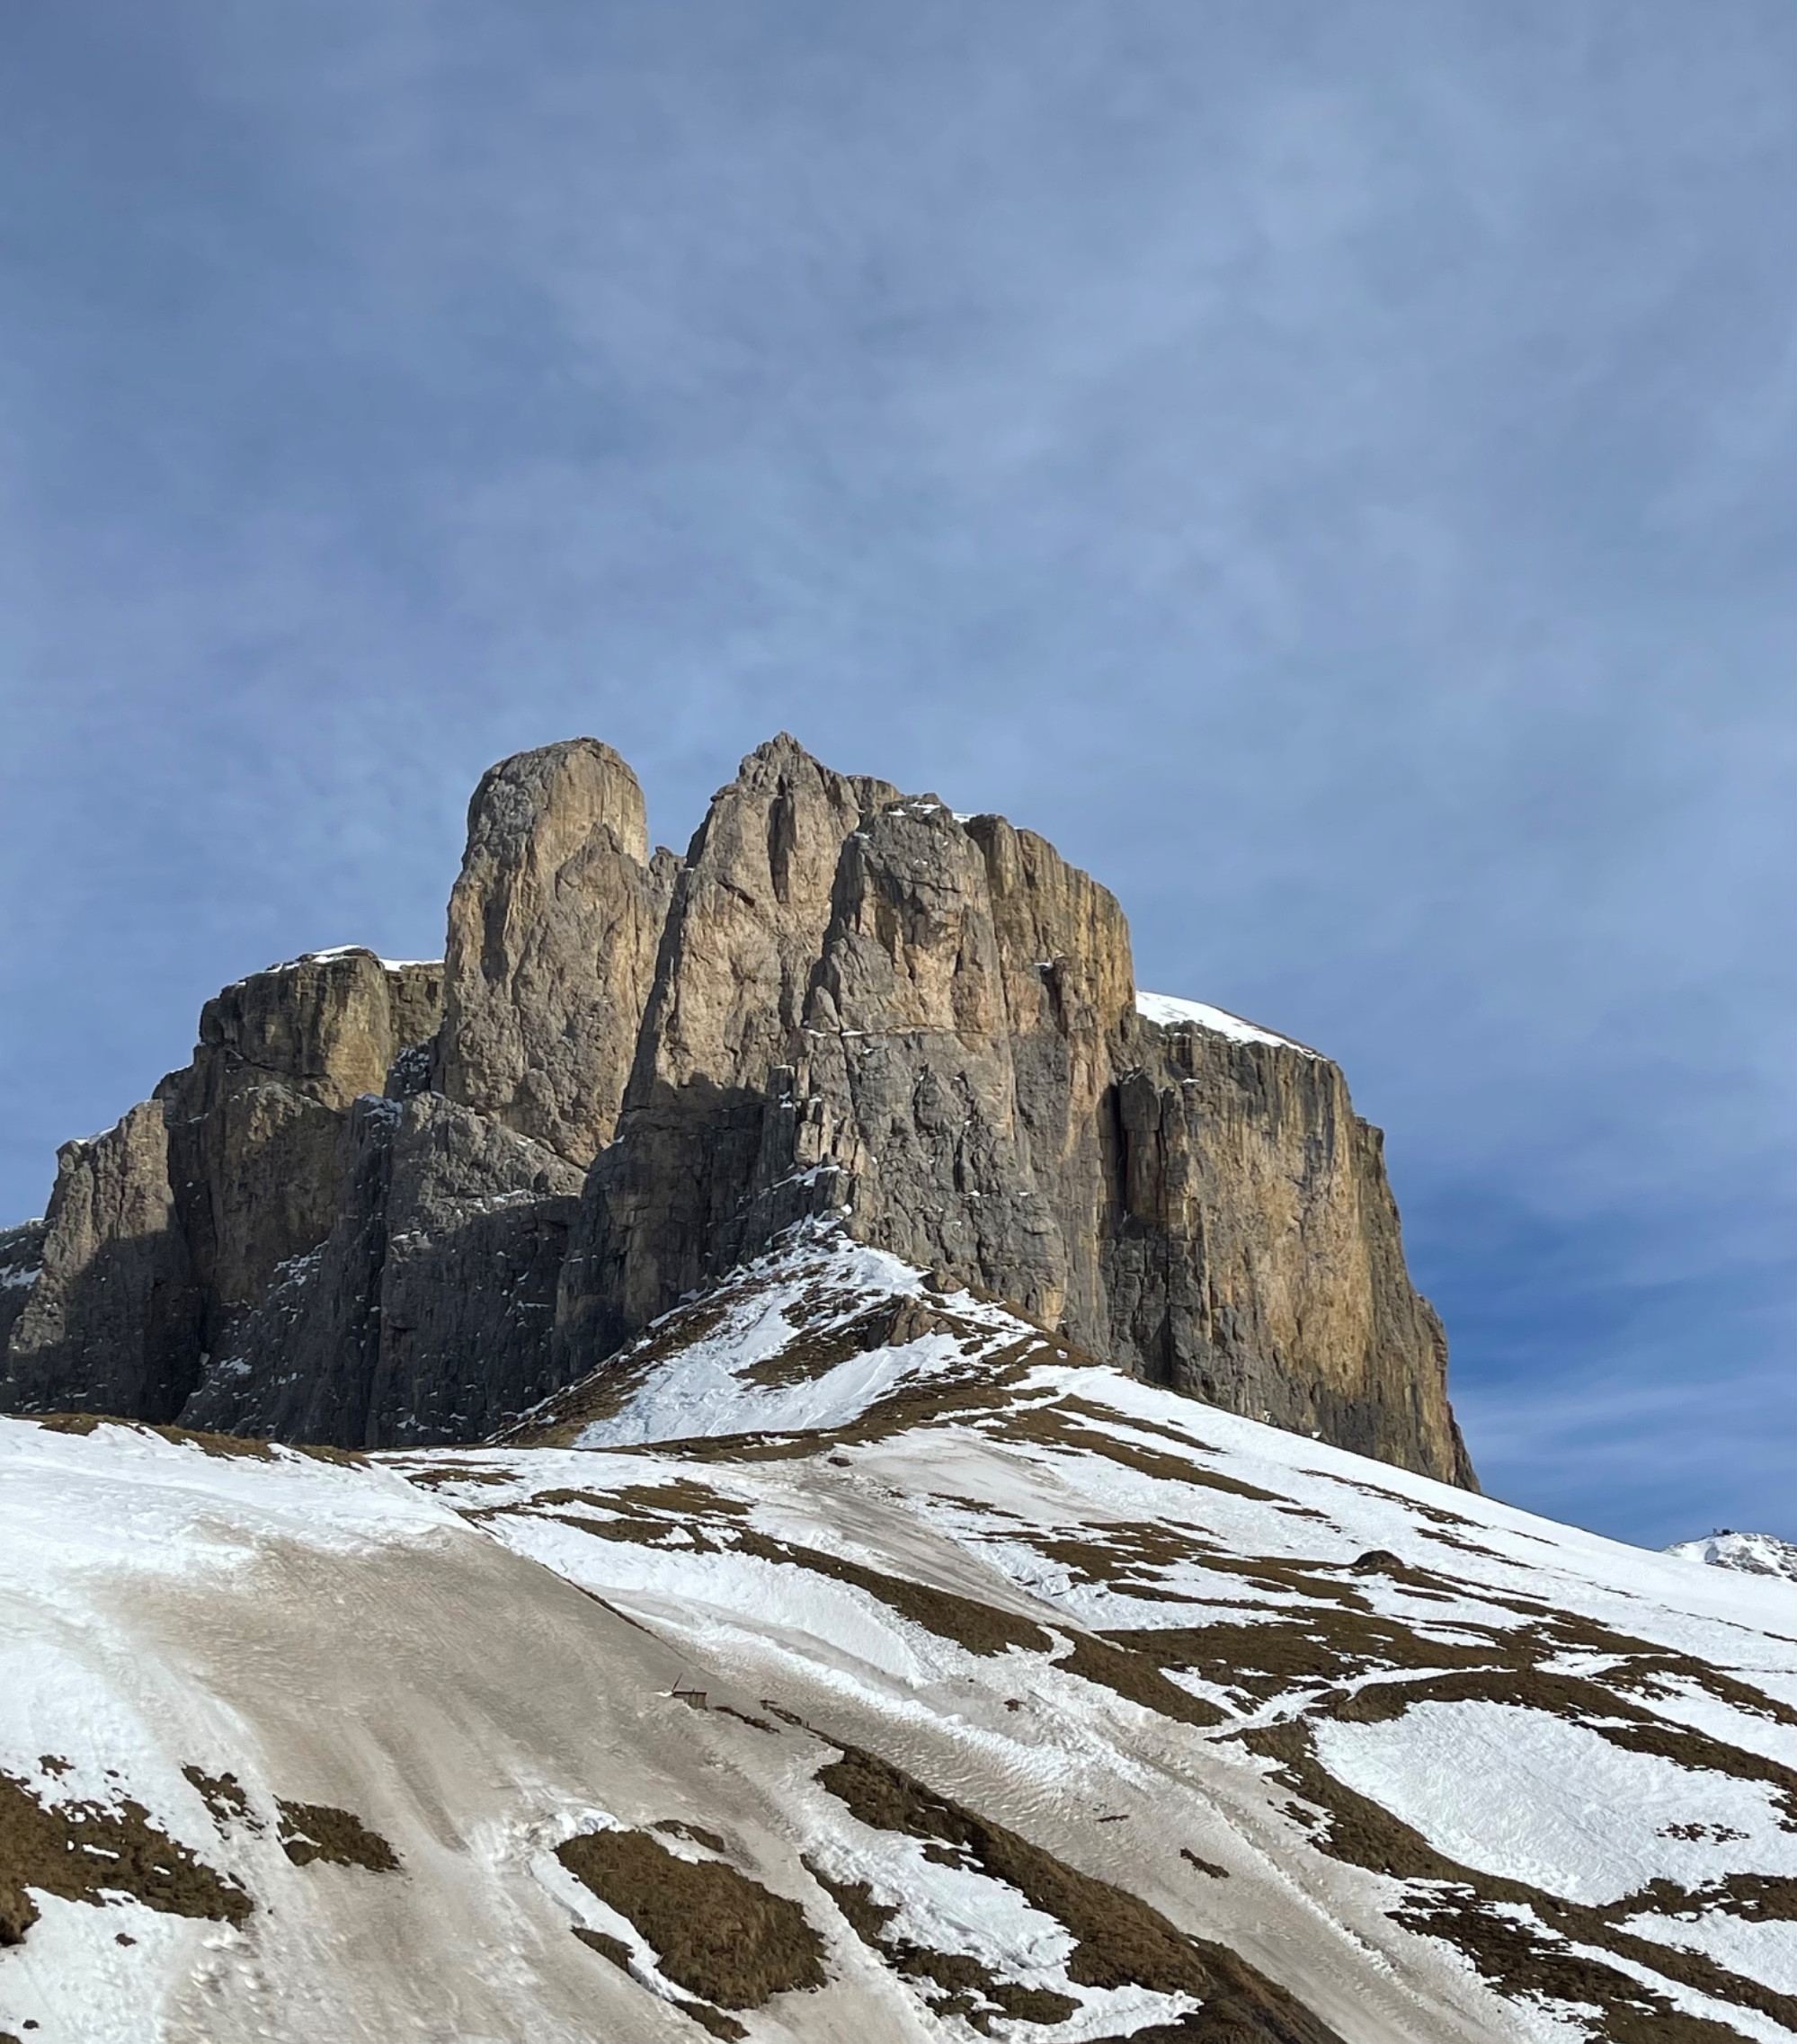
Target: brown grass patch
980, 1628
968, 1988
1119, 1941
1138, 1679
315, 1831
1265, 1657
677, 1828
815, 1352
1519, 1957
715, 1933
80, 1851
437, 1474
613, 1948
1049, 1426
207, 1444
225, 1797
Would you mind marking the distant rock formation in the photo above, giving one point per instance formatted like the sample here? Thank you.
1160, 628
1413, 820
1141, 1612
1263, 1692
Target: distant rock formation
633, 1072
1750, 1553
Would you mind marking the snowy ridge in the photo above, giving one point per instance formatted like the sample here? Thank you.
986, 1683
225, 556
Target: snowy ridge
985, 1693
810, 1336
338, 951
1168, 1012
1754, 1553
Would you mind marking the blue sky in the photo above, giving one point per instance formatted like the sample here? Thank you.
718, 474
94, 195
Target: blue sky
1327, 465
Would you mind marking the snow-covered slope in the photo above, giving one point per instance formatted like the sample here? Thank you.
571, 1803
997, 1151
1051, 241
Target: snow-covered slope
853, 1661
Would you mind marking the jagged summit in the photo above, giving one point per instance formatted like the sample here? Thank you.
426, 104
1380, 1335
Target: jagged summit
394, 1203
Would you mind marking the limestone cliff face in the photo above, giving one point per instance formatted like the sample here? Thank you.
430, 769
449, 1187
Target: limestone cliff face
965, 1079
1254, 1256
363, 1214
554, 928
910, 1053
162, 1235
110, 1321
672, 1198
256, 1123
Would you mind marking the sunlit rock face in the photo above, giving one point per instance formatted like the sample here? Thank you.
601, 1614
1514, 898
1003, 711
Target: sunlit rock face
867, 1005
553, 930
844, 1002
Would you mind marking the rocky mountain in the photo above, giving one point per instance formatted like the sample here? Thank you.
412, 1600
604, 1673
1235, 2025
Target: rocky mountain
850, 1659
1753, 1553
396, 1204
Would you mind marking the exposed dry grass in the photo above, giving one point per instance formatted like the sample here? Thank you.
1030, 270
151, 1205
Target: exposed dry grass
80, 1850
225, 1796
1119, 1941
966, 1987
715, 1932
1518, 1955
315, 1831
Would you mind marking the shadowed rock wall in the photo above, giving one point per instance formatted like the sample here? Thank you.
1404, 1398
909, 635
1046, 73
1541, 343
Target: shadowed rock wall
425, 1314
111, 1321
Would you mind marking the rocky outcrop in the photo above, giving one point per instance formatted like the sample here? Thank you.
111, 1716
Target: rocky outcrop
671, 1199
554, 928
109, 1320
424, 1315
165, 1233
909, 1051
22, 1260
364, 1201
1254, 1256
257, 1121
965, 1079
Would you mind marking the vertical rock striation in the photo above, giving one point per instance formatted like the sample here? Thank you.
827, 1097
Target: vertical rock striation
868, 1005
1254, 1256
164, 1235
675, 1197
257, 1121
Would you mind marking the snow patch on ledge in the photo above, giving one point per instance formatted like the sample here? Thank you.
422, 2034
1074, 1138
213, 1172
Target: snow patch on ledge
336, 951
1169, 1013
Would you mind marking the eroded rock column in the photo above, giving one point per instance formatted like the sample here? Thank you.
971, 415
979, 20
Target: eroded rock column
553, 927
